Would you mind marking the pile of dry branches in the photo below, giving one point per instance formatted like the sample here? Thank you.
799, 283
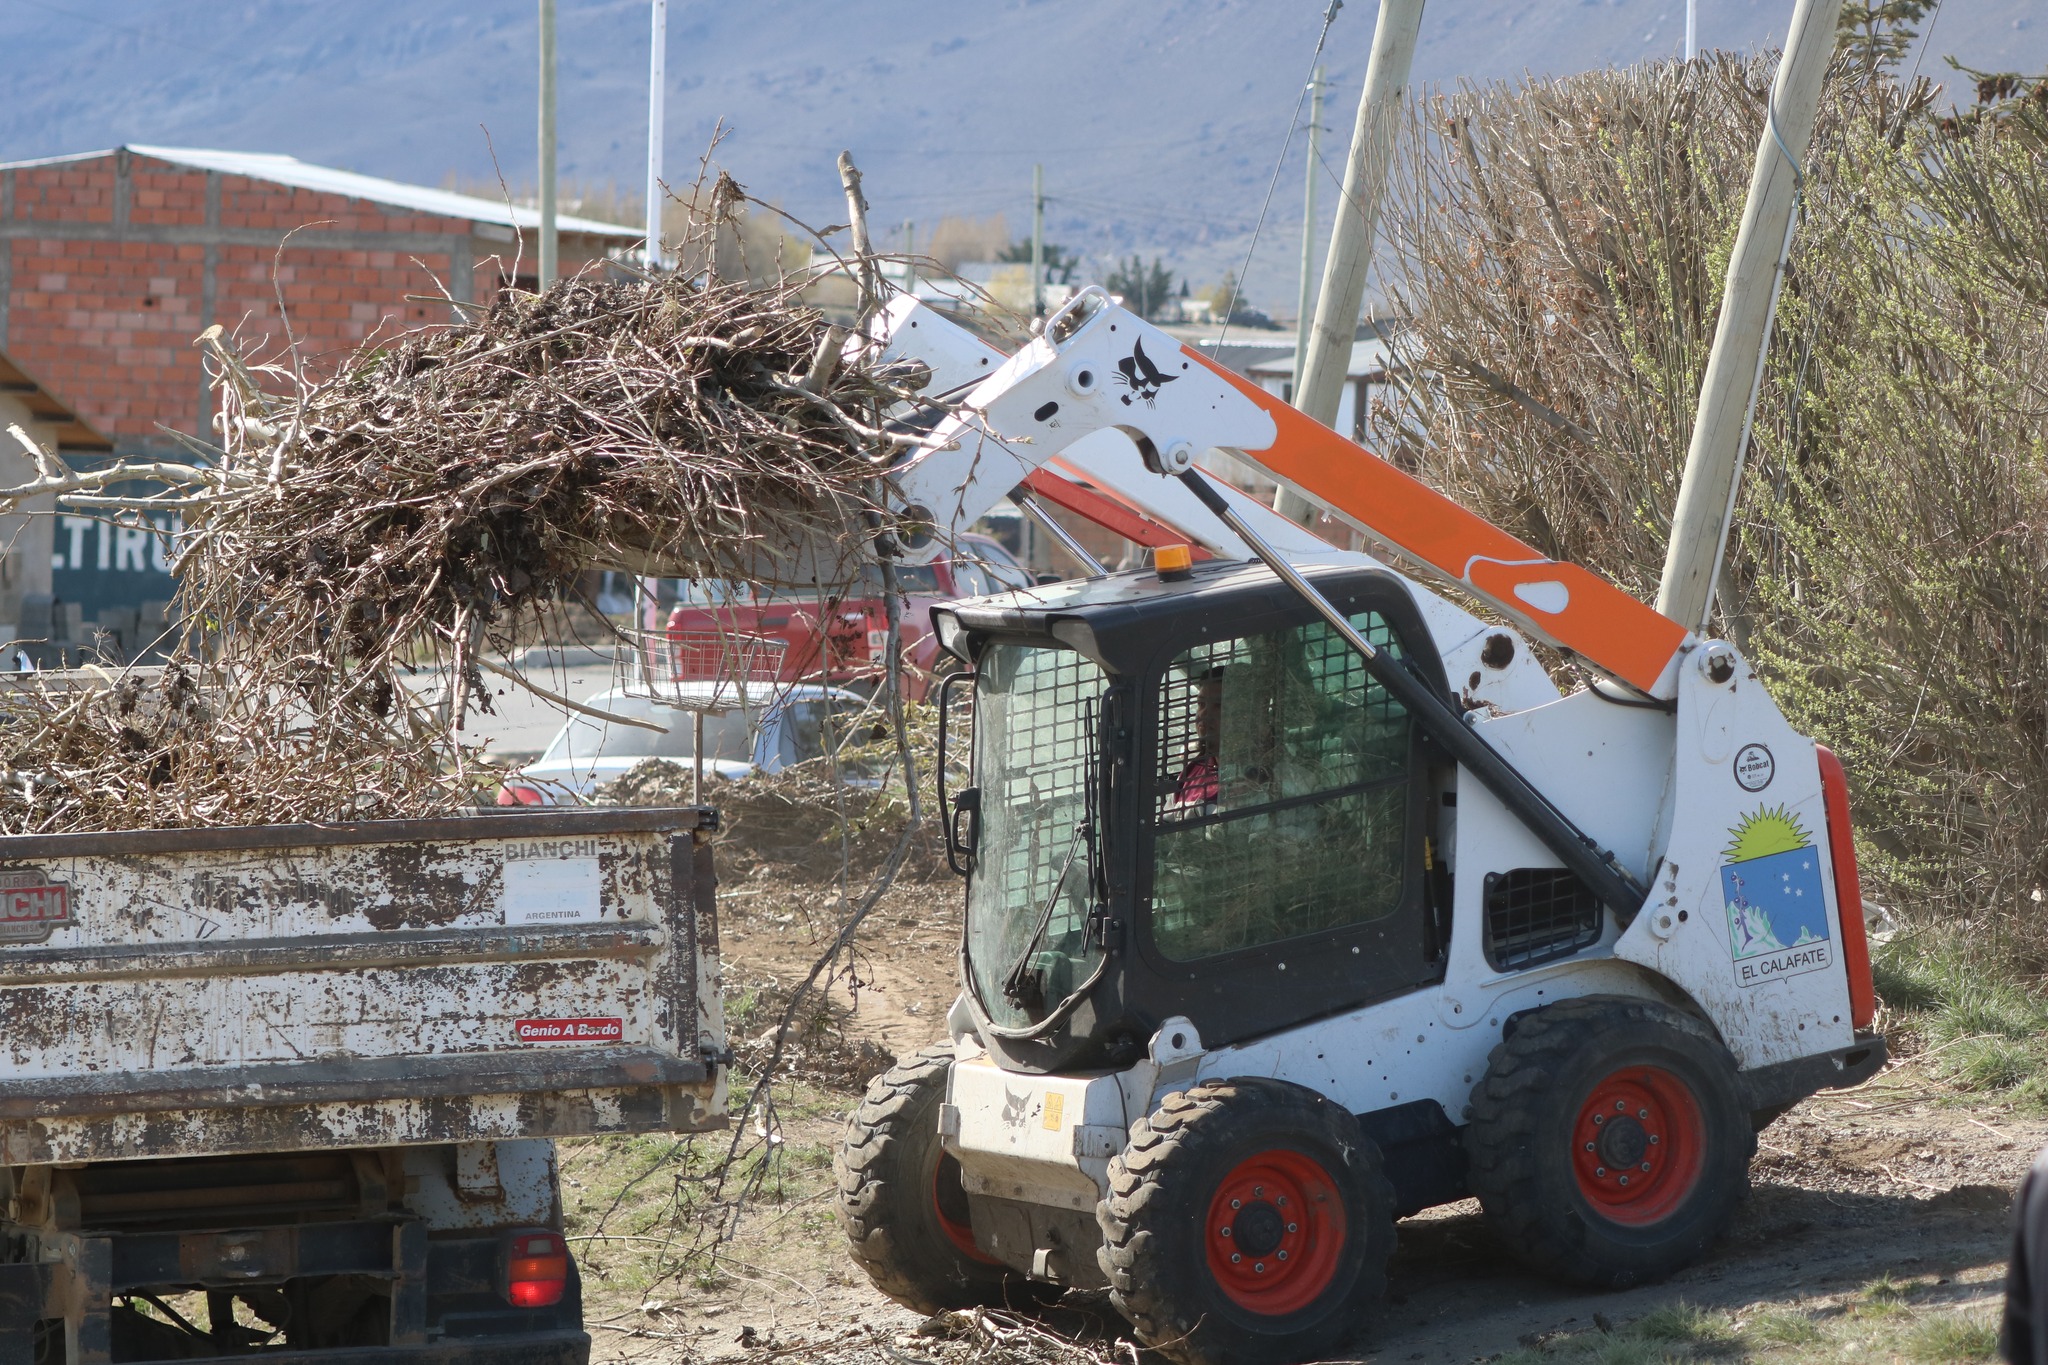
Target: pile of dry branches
437, 487
362, 548
192, 745
991, 1336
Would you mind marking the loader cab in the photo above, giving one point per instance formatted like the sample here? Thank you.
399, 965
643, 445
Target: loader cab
1189, 799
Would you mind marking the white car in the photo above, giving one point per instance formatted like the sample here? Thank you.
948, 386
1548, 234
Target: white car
778, 728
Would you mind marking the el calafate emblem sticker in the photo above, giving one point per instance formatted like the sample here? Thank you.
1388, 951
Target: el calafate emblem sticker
1777, 905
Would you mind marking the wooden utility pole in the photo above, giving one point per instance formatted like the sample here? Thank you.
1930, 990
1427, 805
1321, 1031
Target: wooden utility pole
1308, 227
657, 81
1749, 303
1037, 241
1319, 383
866, 275
547, 143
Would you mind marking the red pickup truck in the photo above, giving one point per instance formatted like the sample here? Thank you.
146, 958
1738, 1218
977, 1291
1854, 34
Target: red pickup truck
839, 635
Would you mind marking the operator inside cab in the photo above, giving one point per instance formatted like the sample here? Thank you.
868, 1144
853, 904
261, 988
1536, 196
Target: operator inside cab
1200, 781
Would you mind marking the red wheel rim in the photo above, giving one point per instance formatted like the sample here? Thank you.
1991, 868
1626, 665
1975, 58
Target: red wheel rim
949, 1206
1638, 1146
1275, 1232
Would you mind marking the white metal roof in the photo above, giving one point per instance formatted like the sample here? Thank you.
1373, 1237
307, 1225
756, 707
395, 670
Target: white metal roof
289, 170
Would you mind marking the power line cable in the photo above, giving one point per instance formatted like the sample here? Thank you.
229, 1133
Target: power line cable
1293, 124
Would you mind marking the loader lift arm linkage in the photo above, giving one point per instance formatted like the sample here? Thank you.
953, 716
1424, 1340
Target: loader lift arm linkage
1098, 366
1077, 367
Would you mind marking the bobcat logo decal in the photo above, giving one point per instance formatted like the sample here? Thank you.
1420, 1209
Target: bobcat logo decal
1137, 373
1016, 1108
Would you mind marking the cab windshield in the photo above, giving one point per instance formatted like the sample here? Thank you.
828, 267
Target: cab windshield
1028, 944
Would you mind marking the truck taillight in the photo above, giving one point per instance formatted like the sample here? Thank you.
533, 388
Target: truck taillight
536, 1269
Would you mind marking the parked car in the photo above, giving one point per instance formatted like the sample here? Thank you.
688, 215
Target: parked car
783, 725
847, 649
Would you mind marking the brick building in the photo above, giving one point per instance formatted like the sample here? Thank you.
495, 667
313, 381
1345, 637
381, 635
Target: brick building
112, 262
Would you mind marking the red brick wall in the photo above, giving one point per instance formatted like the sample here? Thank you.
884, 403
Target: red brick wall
103, 309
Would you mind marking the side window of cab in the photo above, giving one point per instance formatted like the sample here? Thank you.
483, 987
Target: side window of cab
1280, 806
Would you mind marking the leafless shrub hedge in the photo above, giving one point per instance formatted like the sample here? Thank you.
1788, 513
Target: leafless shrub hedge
1561, 250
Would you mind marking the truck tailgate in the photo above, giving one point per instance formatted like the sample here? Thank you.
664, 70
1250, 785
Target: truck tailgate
262, 989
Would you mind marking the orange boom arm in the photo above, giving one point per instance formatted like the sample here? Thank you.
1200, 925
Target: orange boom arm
1563, 604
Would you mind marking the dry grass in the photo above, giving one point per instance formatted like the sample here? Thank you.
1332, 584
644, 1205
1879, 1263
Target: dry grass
1887, 1320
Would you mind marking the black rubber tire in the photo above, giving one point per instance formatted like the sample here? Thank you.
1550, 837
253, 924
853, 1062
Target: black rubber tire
1155, 1234
890, 1167
1520, 1140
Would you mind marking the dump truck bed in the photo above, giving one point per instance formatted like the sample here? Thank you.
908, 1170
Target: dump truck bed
172, 993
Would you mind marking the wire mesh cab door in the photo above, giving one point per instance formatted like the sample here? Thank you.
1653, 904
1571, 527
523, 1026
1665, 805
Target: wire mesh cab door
1282, 851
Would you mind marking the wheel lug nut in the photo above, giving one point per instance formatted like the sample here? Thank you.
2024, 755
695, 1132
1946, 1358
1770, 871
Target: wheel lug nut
1599, 1119
1642, 1113
1281, 1201
1228, 1231
1646, 1165
1624, 1180
1291, 1227
1258, 1191
1600, 1170
1235, 1258
1283, 1255
1589, 1146
1258, 1267
1621, 1106
1237, 1203
1653, 1139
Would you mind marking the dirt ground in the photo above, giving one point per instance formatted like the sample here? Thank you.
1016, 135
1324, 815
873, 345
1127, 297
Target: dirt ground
1895, 1184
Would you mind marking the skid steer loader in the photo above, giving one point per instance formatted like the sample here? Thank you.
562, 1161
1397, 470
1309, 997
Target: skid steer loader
1298, 899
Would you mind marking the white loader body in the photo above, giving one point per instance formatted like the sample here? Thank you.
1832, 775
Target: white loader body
1679, 767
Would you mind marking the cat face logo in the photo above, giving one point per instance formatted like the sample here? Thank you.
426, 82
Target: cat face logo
1137, 373
1016, 1108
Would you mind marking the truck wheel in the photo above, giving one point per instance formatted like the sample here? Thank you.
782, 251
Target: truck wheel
1249, 1221
1609, 1144
900, 1197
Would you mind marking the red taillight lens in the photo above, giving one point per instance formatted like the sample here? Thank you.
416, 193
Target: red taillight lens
536, 1269
1834, 790
520, 796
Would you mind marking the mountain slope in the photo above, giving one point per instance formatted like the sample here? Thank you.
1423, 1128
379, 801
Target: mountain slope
1158, 124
